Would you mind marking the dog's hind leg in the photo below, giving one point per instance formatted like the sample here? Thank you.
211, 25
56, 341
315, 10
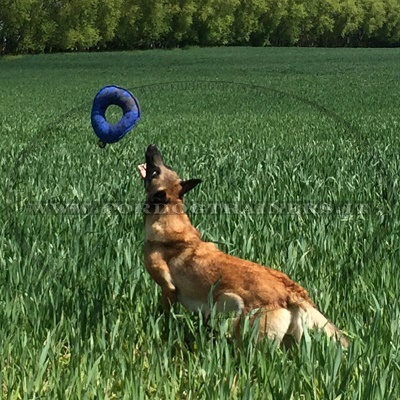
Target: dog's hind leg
275, 324
228, 302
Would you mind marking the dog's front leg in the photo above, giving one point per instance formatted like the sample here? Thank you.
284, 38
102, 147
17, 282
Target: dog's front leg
159, 271
168, 297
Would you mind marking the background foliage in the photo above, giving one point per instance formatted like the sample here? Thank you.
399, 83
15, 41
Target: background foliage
79, 316
66, 25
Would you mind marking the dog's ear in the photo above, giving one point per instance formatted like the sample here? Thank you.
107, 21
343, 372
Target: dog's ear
188, 185
159, 197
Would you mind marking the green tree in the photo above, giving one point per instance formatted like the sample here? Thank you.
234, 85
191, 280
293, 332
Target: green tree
213, 21
39, 28
270, 20
59, 25
390, 31
247, 20
348, 20
14, 17
320, 21
292, 25
108, 19
125, 32
374, 18
76, 24
179, 14
143, 24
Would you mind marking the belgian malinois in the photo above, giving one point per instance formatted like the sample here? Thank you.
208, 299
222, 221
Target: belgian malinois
188, 269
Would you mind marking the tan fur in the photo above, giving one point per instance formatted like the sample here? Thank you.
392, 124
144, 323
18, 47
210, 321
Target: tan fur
187, 269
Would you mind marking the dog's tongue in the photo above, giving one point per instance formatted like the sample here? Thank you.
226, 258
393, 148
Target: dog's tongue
142, 170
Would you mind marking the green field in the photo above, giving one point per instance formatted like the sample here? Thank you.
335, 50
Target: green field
310, 134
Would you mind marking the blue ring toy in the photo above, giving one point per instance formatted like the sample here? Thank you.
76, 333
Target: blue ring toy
106, 132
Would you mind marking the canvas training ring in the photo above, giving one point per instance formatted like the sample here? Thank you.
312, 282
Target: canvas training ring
108, 95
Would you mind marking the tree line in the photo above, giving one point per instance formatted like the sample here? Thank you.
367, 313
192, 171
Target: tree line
34, 26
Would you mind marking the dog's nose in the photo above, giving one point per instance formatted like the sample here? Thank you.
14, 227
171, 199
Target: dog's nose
153, 155
152, 148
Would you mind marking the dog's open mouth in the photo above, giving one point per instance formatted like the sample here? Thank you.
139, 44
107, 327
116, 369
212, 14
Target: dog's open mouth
142, 170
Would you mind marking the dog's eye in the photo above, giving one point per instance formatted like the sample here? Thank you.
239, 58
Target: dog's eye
154, 174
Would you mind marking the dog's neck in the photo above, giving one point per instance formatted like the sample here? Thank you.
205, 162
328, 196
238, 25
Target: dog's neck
169, 223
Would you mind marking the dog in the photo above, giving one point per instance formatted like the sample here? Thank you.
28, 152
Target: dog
189, 270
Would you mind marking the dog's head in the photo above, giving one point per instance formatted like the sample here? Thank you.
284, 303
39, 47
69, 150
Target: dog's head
162, 184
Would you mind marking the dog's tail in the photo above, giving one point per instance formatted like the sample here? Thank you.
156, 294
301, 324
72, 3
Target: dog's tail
315, 319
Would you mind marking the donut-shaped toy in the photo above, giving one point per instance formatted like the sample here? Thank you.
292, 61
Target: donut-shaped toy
108, 95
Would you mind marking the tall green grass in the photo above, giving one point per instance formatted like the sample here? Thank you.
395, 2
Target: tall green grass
311, 134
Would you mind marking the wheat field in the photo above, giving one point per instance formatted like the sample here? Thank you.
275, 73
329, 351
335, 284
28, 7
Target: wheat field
298, 150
